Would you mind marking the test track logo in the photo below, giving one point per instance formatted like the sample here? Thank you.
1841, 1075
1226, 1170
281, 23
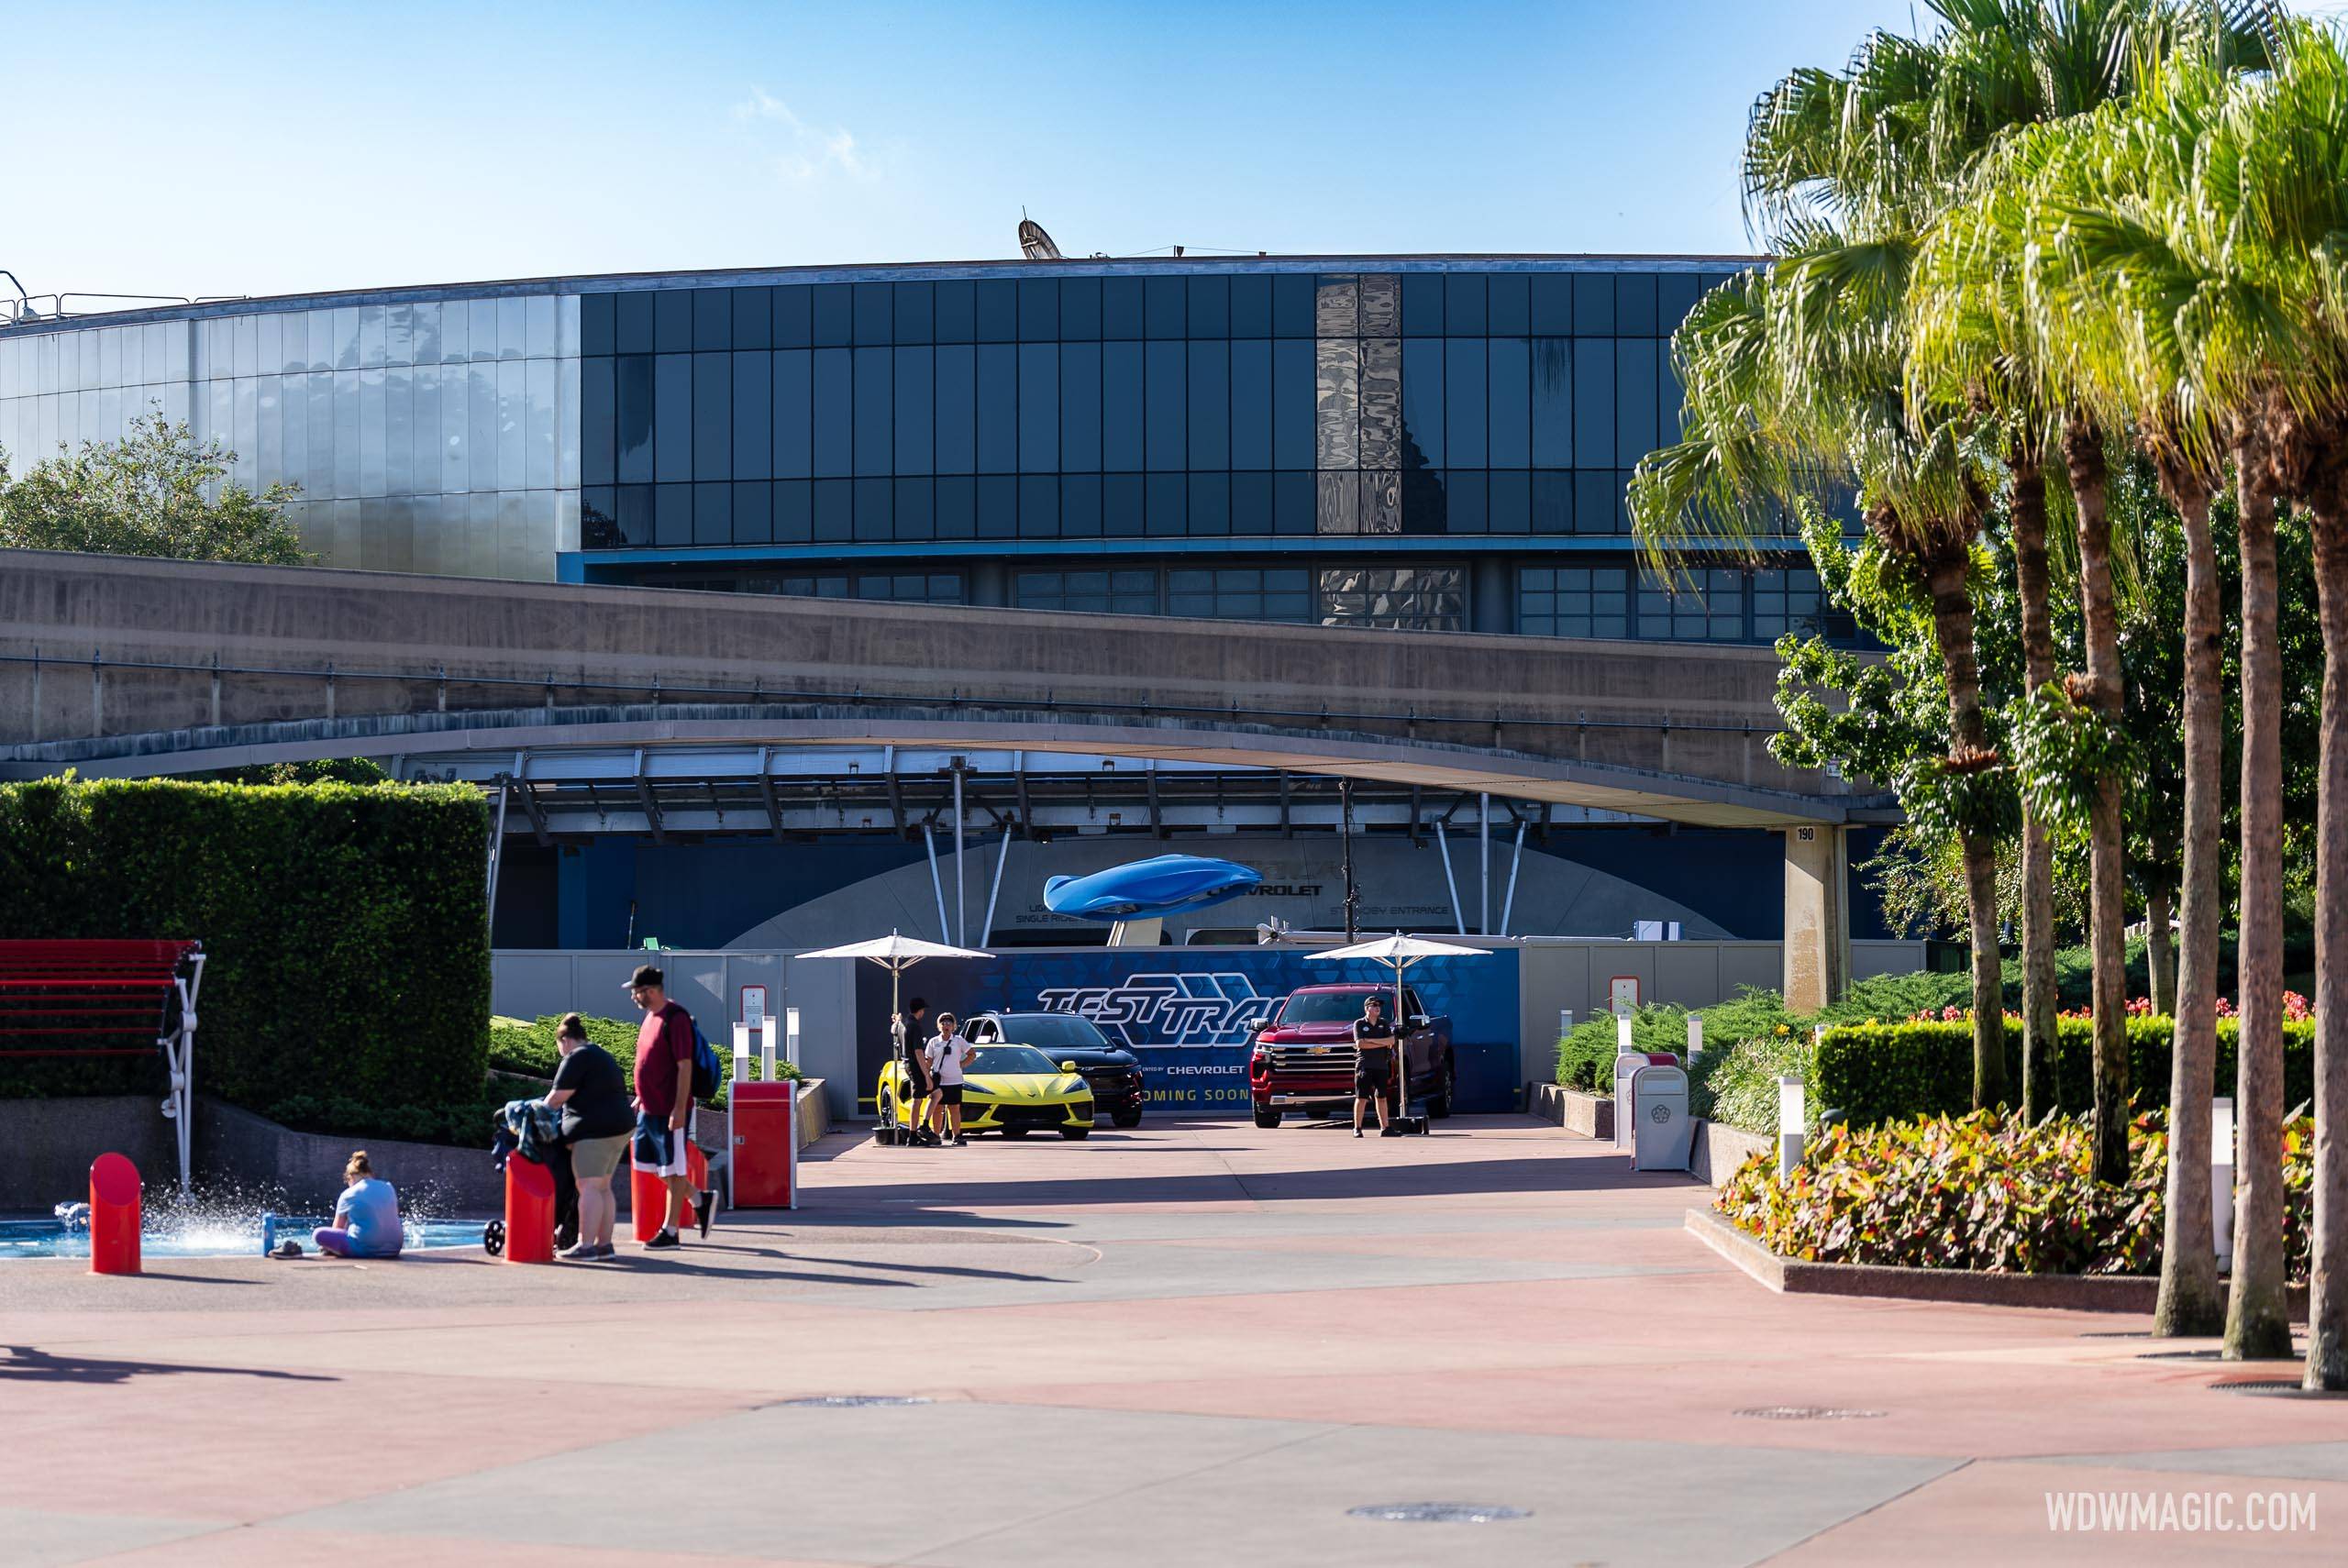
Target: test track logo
1163, 1010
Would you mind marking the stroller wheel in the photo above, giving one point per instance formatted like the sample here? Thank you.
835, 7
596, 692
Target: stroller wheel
493, 1238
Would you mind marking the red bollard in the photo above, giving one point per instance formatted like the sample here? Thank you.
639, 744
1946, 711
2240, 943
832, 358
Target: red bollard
648, 1195
530, 1211
114, 1215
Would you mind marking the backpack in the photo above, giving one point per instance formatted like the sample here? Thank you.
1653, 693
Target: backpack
706, 1071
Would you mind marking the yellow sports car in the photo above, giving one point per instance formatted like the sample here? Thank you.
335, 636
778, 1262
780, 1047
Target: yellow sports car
1010, 1090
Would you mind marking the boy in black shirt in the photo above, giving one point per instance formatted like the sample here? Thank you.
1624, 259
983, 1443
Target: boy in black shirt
1373, 1062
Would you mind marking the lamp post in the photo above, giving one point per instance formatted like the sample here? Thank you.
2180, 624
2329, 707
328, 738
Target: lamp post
1792, 1124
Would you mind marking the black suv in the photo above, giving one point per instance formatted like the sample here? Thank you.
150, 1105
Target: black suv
1114, 1072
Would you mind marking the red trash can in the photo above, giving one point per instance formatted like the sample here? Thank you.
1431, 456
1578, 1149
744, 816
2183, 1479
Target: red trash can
765, 1121
530, 1211
647, 1196
114, 1215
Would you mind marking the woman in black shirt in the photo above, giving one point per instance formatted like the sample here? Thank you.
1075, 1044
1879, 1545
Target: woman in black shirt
591, 1091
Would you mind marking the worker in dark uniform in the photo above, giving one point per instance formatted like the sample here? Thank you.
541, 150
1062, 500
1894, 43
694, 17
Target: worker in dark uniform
1374, 1046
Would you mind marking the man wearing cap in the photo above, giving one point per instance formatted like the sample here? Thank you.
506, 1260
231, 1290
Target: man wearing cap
664, 1099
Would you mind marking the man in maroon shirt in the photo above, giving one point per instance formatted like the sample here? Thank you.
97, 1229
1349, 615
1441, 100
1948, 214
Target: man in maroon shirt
664, 1099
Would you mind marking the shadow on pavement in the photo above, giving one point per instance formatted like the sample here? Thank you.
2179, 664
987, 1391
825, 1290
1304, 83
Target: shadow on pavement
27, 1364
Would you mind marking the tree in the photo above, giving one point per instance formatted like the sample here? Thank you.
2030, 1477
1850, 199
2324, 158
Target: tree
157, 491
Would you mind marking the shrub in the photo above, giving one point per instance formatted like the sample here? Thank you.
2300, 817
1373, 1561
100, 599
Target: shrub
456, 1124
1738, 1086
345, 927
529, 1048
1983, 1192
1878, 1072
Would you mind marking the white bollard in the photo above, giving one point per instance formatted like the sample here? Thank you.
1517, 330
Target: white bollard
1695, 1039
2222, 1179
1565, 1021
1621, 1032
1792, 1124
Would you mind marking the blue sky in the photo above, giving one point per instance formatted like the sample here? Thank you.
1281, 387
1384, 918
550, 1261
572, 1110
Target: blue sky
235, 149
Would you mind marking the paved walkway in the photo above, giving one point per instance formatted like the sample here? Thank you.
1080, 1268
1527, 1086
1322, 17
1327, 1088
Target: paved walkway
1192, 1343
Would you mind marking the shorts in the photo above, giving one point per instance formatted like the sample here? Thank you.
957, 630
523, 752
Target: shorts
1372, 1079
656, 1148
594, 1157
950, 1094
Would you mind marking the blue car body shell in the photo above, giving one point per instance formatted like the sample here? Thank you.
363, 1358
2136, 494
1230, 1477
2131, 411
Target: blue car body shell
1165, 884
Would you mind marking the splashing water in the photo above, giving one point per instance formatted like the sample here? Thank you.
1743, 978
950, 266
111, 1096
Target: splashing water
215, 1223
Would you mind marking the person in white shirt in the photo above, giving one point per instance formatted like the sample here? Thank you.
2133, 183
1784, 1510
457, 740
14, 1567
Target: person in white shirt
944, 1055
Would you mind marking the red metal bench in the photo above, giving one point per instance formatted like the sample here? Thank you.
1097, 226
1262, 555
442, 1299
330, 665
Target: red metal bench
106, 998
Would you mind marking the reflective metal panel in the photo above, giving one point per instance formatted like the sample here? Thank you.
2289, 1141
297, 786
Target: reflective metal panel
1381, 402
1338, 403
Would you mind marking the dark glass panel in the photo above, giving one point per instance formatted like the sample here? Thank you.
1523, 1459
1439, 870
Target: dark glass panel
1080, 507
1291, 304
1675, 296
1209, 406
1463, 305
997, 311
794, 431
1211, 504
1511, 502
635, 515
753, 329
598, 420
1294, 392
834, 416
1422, 305
1593, 304
631, 317
1553, 303
958, 417
1509, 308
998, 409
713, 512
672, 515
635, 410
1422, 402
914, 372
673, 321
958, 507
794, 323
1122, 400
1634, 305
1251, 306
714, 414
598, 331
1081, 408
1464, 389
1465, 497
1167, 509
1080, 309
835, 320
910, 306
673, 417
1635, 401
873, 308
1039, 310
1553, 403
1512, 403
1209, 306
998, 507
1594, 401
876, 404
753, 512
1251, 504
793, 516
1039, 506
1039, 407
835, 511
1293, 504
956, 311
874, 512
1251, 402
1596, 501
1121, 505
1424, 508
599, 518
1164, 307
1167, 448
713, 321
916, 513
1553, 503
1121, 307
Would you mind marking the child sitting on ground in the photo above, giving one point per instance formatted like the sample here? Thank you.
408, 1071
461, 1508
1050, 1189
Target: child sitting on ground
366, 1216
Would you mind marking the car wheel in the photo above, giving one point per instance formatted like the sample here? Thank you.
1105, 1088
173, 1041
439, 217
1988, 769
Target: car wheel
1439, 1101
1125, 1119
1267, 1117
1073, 1133
1016, 1132
886, 1105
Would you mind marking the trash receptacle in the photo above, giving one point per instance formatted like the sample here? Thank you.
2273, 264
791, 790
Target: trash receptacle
1627, 1067
1661, 1135
764, 1120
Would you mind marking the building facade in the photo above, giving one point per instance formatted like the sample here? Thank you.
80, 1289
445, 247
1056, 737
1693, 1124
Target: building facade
1405, 442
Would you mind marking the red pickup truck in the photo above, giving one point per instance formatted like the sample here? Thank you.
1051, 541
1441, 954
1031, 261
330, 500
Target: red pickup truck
1302, 1058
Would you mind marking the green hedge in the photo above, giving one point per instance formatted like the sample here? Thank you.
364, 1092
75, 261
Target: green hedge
345, 929
1881, 1072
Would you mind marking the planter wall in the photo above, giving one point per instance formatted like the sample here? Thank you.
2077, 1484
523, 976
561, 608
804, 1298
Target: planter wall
1584, 1115
46, 1146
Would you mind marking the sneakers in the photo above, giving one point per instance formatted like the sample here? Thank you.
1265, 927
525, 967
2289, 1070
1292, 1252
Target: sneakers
664, 1241
1390, 1130
705, 1209
961, 1141
1356, 1131
581, 1252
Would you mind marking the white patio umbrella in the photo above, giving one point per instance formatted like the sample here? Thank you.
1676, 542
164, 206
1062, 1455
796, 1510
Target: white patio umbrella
1399, 952
896, 953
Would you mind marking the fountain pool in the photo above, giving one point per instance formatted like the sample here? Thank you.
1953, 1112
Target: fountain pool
168, 1235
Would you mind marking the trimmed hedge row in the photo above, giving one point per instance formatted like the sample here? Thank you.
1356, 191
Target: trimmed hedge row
1882, 1072
345, 929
